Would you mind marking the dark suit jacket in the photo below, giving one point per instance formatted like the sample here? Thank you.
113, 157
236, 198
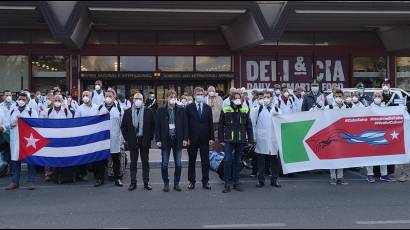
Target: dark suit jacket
128, 129
200, 128
162, 126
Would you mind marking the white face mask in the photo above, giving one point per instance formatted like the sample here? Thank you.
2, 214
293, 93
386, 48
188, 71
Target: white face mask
260, 101
339, 100
355, 99
303, 93
315, 90
286, 94
21, 103
97, 87
9, 99
377, 101
189, 102
211, 94
86, 99
172, 101
183, 101
386, 88
138, 103
237, 102
349, 100
108, 100
266, 101
57, 104
277, 92
199, 99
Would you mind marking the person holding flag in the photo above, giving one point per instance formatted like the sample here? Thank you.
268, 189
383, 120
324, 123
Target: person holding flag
21, 111
113, 108
87, 109
315, 99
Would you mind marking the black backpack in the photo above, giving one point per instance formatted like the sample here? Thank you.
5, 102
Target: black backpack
29, 112
65, 111
118, 107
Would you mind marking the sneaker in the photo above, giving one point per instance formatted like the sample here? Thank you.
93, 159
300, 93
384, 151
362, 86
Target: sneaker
237, 188
387, 179
12, 186
341, 182
371, 179
333, 182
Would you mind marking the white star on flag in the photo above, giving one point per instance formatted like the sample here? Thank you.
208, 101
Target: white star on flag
31, 141
395, 135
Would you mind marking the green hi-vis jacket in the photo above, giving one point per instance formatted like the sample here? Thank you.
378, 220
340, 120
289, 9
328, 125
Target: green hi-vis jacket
235, 125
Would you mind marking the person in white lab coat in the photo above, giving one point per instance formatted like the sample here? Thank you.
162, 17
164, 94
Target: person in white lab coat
98, 94
356, 101
111, 107
286, 101
266, 144
298, 99
8, 104
124, 102
378, 102
21, 111
336, 175
87, 109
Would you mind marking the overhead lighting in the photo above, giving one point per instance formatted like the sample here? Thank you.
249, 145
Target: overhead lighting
167, 10
17, 7
352, 11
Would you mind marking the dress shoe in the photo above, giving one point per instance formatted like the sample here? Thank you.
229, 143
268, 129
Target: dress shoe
132, 187
12, 186
260, 185
118, 183
177, 188
166, 188
31, 187
275, 183
206, 186
191, 186
227, 189
147, 187
99, 183
237, 188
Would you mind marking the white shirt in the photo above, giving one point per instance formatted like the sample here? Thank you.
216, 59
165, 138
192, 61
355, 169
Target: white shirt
86, 111
98, 99
6, 109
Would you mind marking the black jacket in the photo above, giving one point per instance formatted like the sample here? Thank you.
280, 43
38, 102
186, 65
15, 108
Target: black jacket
162, 126
128, 129
200, 129
388, 100
235, 126
310, 101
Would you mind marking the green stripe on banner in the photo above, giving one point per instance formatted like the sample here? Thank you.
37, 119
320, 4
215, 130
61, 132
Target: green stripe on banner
293, 135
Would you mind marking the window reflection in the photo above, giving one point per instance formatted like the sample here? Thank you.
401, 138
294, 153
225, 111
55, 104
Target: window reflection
99, 63
176, 64
137, 63
213, 64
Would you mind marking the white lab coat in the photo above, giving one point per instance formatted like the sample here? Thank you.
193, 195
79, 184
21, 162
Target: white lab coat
358, 105
3, 119
115, 129
297, 104
287, 107
86, 111
98, 99
126, 105
264, 131
54, 114
5, 110
73, 105
12, 126
33, 104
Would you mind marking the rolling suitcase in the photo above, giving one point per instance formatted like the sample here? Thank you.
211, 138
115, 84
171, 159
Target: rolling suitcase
65, 175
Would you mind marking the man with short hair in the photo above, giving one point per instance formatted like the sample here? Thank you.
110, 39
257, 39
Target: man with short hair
98, 93
298, 99
137, 127
201, 136
171, 132
22, 110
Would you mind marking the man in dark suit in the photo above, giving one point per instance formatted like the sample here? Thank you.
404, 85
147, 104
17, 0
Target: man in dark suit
138, 130
171, 132
201, 135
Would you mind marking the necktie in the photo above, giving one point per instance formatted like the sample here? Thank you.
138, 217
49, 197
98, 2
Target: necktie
199, 110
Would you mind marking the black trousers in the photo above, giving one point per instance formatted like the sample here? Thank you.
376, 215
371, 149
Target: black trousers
255, 165
100, 167
135, 153
274, 164
193, 154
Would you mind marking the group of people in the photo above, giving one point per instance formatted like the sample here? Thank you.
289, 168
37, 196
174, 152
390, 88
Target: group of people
198, 122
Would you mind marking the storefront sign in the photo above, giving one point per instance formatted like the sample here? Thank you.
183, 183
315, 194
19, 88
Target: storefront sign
100, 75
293, 72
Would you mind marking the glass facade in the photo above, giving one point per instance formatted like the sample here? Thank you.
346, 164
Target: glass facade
14, 72
371, 71
50, 71
138, 63
403, 72
99, 63
176, 63
213, 64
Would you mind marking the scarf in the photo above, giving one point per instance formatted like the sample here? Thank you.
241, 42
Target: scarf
138, 119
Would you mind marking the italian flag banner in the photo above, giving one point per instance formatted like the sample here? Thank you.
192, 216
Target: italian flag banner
334, 139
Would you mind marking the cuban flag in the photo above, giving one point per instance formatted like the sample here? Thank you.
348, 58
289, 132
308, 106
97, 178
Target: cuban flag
64, 142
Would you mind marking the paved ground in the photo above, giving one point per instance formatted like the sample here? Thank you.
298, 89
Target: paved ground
305, 201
